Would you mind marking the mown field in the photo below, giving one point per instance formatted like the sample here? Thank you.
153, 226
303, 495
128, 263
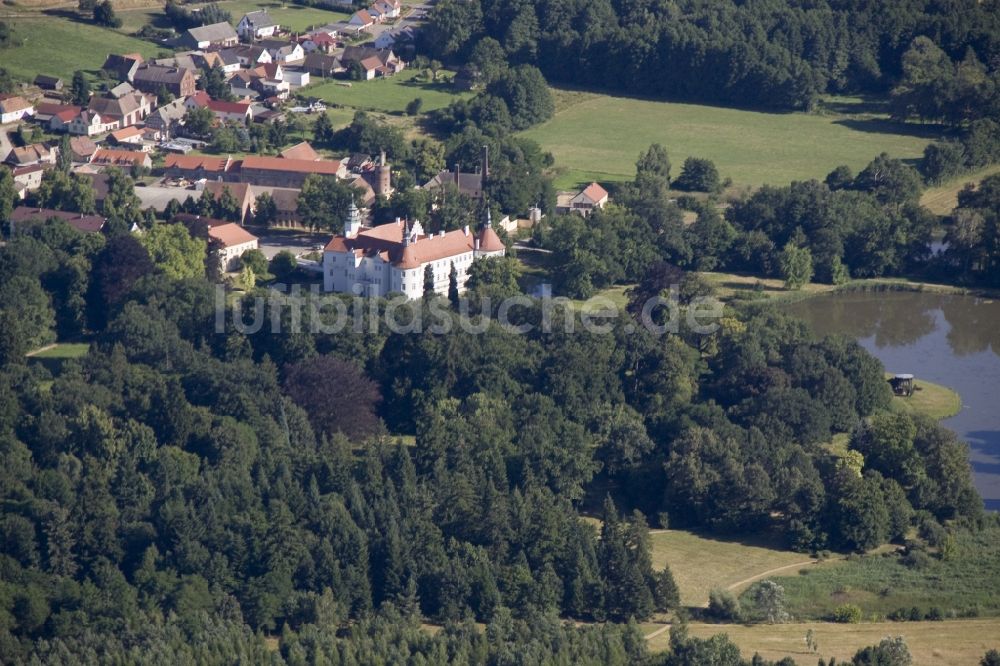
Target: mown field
700, 563
968, 582
599, 137
294, 17
390, 95
948, 643
60, 46
938, 402
942, 199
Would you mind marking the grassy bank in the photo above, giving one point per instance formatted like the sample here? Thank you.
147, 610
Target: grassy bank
934, 400
390, 95
954, 642
599, 137
942, 199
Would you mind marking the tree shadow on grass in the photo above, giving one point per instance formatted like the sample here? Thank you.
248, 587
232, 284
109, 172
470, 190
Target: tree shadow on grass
876, 126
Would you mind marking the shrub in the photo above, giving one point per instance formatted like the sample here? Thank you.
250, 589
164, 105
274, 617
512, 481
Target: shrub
847, 614
935, 614
723, 606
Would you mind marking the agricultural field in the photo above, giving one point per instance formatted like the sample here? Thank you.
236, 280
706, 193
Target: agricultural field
968, 582
598, 137
90, 46
951, 643
390, 95
700, 563
942, 199
295, 17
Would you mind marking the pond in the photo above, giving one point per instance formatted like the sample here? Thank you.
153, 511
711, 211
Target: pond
947, 339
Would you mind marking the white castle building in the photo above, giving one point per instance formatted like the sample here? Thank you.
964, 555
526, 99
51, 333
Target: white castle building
376, 261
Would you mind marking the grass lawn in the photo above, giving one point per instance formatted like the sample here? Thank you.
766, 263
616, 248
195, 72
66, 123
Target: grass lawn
62, 350
938, 402
390, 95
942, 199
59, 46
951, 643
700, 563
295, 17
968, 582
599, 137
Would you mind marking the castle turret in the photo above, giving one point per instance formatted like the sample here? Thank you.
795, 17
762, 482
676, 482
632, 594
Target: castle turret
384, 184
352, 225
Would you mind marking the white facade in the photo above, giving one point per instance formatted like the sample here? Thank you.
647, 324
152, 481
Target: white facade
371, 262
256, 25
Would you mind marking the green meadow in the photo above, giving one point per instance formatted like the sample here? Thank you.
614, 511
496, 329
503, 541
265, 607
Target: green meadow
598, 137
59, 46
390, 95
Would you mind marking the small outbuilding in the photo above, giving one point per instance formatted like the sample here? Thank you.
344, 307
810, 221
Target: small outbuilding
902, 384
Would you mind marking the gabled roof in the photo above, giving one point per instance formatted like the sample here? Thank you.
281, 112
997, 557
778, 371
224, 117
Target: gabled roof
33, 152
231, 234
240, 191
80, 222
220, 106
594, 192
82, 146
126, 133
162, 74
388, 239
122, 65
196, 162
216, 32
114, 107
14, 103
119, 157
300, 151
322, 167
259, 19
200, 98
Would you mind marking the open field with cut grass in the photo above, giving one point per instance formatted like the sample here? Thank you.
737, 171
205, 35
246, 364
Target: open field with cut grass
62, 350
59, 46
968, 582
942, 199
390, 95
599, 137
948, 643
700, 563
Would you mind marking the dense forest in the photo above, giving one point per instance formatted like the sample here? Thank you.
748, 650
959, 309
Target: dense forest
767, 53
180, 486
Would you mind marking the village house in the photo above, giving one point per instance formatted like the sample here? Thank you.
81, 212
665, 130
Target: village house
240, 112
131, 136
27, 179
33, 153
216, 34
196, 167
286, 203
178, 81
234, 241
361, 20
126, 110
282, 51
167, 118
372, 62
24, 217
322, 65
396, 38
583, 202
45, 109
385, 10
62, 117
46, 82
391, 258
122, 67
256, 25
90, 123
319, 42
281, 172
251, 55
469, 184
123, 159
227, 59
14, 107
82, 148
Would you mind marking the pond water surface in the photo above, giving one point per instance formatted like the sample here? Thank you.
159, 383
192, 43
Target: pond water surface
949, 340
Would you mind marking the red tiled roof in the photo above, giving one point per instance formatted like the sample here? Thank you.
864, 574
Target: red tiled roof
594, 192
126, 133
200, 98
231, 234
489, 241
106, 156
322, 167
220, 106
388, 239
194, 162
300, 151
68, 113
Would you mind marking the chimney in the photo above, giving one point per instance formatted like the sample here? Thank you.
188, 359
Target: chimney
465, 230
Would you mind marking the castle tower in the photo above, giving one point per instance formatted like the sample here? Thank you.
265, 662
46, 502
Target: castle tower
384, 184
352, 225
